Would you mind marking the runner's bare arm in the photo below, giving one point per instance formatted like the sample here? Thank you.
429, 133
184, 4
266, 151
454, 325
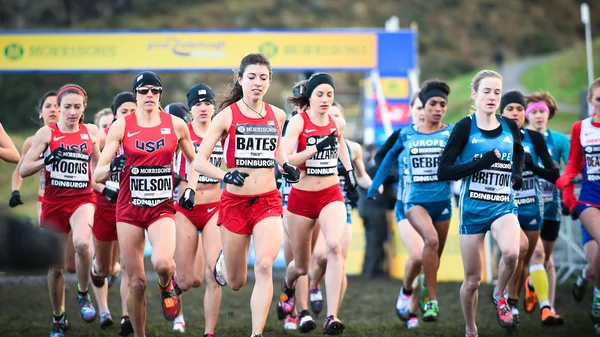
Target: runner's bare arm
186, 146
8, 150
94, 134
32, 162
290, 141
343, 150
362, 178
280, 154
113, 141
218, 128
17, 180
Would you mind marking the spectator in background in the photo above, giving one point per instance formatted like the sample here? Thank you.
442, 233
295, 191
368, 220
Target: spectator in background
374, 215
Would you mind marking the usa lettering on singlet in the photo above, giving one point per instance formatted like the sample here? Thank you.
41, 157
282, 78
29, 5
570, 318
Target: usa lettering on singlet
424, 159
72, 171
526, 195
150, 185
492, 184
255, 145
216, 159
322, 163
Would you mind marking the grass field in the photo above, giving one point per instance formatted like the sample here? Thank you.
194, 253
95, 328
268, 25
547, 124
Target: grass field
368, 310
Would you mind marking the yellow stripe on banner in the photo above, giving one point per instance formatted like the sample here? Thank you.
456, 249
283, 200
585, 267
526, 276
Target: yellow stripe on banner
451, 266
395, 87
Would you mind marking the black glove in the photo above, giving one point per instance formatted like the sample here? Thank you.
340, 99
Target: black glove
177, 180
528, 161
188, 199
15, 199
564, 209
328, 141
117, 164
235, 178
110, 194
488, 159
291, 173
350, 181
574, 213
54, 157
517, 182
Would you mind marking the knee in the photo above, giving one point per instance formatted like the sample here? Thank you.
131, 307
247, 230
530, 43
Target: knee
417, 260
321, 261
471, 283
264, 268
210, 280
432, 242
82, 247
538, 256
184, 283
510, 258
236, 283
57, 273
70, 267
137, 286
163, 266
334, 248
197, 283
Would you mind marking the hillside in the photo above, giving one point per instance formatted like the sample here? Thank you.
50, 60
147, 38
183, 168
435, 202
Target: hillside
455, 37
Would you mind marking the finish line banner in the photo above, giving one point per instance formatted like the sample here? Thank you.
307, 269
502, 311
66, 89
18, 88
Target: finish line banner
103, 51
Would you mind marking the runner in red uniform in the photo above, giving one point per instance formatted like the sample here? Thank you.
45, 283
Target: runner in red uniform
148, 140
249, 130
70, 149
106, 248
316, 136
198, 238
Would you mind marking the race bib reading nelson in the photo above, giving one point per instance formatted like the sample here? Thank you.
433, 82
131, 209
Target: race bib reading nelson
424, 163
72, 171
216, 158
592, 162
526, 195
492, 184
322, 163
150, 185
255, 145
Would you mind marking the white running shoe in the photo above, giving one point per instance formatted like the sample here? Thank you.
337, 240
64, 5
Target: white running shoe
290, 323
403, 305
412, 323
179, 325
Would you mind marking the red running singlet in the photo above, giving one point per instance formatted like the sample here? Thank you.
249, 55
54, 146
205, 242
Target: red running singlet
146, 186
72, 176
251, 142
322, 163
112, 182
216, 158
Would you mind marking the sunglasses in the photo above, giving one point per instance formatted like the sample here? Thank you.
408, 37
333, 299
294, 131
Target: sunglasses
144, 90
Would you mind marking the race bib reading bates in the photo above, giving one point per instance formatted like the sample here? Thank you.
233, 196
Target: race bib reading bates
424, 163
216, 158
322, 163
255, 145
72, 171
592, 162
492, 184
526, 195
150, 185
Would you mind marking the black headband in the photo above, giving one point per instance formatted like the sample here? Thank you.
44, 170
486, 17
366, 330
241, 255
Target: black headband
424, 96
512, 97
317, 80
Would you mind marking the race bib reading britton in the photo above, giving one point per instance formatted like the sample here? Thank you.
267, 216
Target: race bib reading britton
492, 184
150, 185
255, 145
322, 163
72, 171
526, 195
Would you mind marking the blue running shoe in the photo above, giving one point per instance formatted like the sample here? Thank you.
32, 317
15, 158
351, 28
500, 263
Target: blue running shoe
88, 312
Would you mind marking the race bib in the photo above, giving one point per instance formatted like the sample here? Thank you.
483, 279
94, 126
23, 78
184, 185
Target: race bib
150, 185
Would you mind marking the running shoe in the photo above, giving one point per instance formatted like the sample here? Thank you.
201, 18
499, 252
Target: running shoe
515, 313
169, 301
126, 327
88, 312
175, 286
305, 322
550, 318
209, 335
97, 281
256, 335
316, 300
596, 309
290, 323
403, 305
579, 288
424, 297
505, 318
218, 270
179, 326
412, 322
111, 279
57, 330
286, 301
332, 327
530, 297
431, 311
105, 320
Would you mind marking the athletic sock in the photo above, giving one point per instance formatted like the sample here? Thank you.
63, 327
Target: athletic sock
81, 292
539, 278
406, 292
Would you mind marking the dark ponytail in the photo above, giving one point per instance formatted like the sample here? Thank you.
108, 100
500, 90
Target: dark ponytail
236, 93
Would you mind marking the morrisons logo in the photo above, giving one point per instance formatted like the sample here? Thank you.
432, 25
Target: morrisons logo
14, 51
